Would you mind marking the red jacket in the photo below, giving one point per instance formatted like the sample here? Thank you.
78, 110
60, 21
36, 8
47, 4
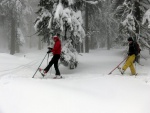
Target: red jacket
57, 46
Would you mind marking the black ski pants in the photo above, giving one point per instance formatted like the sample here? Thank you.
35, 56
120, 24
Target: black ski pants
54, 61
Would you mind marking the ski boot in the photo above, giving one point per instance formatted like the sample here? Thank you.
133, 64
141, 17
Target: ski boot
121, 71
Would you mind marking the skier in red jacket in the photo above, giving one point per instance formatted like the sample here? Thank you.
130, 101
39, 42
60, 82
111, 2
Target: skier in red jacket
56, 50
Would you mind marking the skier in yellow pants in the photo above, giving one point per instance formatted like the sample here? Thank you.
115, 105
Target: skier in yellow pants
131, 57
129, 63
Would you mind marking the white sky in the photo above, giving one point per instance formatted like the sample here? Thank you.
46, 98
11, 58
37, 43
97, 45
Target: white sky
86, 89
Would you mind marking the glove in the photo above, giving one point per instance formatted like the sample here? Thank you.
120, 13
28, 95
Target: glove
48, 52
49, 48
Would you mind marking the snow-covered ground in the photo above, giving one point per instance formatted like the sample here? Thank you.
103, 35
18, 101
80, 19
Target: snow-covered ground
86, 89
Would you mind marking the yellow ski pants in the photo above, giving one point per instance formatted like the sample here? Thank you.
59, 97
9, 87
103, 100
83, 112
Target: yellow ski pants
129, 63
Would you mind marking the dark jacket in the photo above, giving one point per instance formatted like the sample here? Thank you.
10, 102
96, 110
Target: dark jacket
132, 49
57, 46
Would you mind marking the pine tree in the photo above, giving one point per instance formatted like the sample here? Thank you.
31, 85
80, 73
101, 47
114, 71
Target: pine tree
133, 16
52, 20
14, 12
63, 17
56, 16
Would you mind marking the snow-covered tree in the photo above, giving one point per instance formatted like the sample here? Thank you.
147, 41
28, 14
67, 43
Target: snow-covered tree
59, 17
133, 16
102, 27
14, 11
63, 17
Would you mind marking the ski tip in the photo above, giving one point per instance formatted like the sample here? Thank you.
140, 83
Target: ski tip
58, 77
43, 75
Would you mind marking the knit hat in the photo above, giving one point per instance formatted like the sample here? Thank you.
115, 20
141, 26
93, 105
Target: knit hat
130, 39
55, 36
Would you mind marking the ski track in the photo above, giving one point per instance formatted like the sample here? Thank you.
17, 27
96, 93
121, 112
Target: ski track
27, 70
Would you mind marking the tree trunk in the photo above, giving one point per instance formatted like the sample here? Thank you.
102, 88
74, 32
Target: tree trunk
108, 38
86, 30
30, 38
137, 15
17, 42
16, 35
13, 36
40, 43
66, 28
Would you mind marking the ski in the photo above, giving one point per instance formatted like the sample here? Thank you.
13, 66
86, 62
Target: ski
128, 75
42, 74
119, 68
123, 72
57, 77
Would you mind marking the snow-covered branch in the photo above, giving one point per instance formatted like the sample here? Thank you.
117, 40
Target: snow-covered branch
146, 17
92, 2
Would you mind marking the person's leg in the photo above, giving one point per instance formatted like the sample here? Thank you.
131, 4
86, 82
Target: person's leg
50, 64
129, 63
56, 65
126, 65
132, 69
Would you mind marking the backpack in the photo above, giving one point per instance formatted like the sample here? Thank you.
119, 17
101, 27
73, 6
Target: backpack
137, 52
137, 48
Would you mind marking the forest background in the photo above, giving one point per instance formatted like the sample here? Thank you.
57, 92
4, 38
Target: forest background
88, 24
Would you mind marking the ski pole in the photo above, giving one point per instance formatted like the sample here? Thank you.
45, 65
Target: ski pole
142, 56
39, 65
117, 66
